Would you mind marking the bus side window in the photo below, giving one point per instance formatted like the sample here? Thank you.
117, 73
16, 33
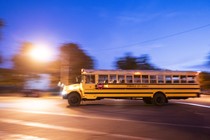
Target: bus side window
160, 79
175, 79
153, 79
168, 79
113, 79
183, 79
137, 79
129, 79
102, 78
145, 79
92, 78
190, 79
121, 78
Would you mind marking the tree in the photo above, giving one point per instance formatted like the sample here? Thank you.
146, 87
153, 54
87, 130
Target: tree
1, 25
1, 59
205, 76
11, 78
204, 80
127, 62
144, 63
74, 59
22, 60
208, 61
54, 71
130, 62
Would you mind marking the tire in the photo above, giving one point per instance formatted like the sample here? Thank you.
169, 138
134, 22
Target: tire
147, 100
159, 99
74, 99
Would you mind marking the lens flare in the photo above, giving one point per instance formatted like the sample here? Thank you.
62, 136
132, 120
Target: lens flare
41, 53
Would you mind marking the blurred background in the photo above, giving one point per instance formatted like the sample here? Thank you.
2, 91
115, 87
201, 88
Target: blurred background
44, 42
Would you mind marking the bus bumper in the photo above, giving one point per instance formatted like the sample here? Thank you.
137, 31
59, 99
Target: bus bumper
65, 96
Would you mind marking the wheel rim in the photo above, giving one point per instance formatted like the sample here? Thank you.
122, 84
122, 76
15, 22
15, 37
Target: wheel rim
74, 100
159, 99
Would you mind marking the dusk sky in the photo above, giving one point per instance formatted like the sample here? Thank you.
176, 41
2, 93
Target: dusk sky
174, 33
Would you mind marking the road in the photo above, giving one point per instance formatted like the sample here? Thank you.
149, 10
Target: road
50, 118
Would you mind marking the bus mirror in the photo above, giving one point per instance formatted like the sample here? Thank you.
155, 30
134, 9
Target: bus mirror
77, 80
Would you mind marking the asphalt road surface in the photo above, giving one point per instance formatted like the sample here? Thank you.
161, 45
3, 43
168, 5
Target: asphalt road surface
50, 118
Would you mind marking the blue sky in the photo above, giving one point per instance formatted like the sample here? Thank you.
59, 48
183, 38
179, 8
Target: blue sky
107, 29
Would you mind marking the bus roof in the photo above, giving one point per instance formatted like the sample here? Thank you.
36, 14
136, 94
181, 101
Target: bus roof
138, 72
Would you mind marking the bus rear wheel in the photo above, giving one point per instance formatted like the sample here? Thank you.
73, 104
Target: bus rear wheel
159, 99
74, 99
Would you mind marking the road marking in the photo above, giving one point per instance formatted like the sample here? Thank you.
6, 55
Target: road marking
8, 136
193, 104
70, 129
111, 119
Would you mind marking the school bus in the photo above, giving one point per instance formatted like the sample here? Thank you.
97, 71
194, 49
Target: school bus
152, 86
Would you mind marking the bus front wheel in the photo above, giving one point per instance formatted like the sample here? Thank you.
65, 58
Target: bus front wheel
74, 99
159, 99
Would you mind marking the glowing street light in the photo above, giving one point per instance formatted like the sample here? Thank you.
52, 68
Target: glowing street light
41, 53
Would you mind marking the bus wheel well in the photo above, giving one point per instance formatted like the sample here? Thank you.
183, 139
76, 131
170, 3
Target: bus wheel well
73, 92
74, 99
159, 92
159, 98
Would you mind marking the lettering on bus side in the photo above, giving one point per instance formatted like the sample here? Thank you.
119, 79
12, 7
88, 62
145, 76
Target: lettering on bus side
137, 86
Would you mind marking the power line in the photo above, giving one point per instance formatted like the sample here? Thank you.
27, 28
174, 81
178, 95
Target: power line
159, 38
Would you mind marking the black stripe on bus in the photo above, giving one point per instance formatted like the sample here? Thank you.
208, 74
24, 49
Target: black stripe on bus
181, 92
139, 93
118, 93
151, 84
150, 88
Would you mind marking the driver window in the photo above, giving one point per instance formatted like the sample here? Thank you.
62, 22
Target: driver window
89, 79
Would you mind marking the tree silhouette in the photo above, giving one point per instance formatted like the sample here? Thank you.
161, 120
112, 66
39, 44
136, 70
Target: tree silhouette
130, 62
74, 59
1, 59
143, 63
205, 76
127, 62
1, 25
208, 60
204, 80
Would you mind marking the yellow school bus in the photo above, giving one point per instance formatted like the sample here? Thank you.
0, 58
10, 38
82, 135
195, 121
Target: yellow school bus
153, 86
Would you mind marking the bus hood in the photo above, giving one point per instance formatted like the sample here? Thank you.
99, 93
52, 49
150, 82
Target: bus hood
73, 87
67, 89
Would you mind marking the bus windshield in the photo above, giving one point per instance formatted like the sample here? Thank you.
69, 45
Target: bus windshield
89, 78
79, 79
